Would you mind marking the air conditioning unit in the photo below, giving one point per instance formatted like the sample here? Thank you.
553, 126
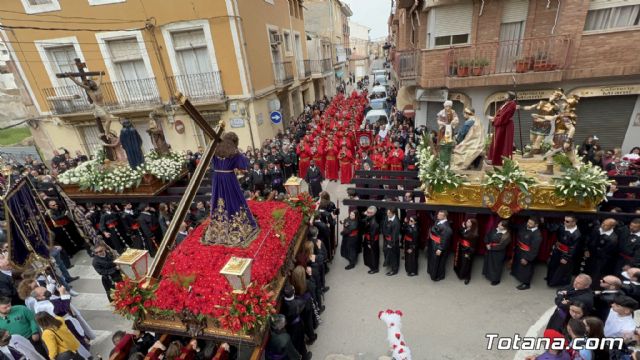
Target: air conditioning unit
276, 39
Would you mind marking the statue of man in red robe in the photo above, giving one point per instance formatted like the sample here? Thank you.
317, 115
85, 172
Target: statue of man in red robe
502, 144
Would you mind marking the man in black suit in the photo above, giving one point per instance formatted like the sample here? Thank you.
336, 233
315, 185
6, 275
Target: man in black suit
7, 284
438, 246
580, 291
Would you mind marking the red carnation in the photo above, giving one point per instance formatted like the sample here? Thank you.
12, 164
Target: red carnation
137, 298
147, 303
134, 310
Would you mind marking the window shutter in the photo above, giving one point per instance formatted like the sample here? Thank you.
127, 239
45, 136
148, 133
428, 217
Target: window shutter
188, 39
453, 19
124, 49
604, 4
515, 11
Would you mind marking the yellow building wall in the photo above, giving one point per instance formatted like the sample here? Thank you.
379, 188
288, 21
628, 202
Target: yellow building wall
256, 17
171, 11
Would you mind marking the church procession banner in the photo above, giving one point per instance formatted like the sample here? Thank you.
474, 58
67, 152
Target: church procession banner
28, 233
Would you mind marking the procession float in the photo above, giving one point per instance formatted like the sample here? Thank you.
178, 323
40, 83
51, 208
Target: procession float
221, 282
475, 171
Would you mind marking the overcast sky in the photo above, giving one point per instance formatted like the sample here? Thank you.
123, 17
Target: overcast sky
371, 13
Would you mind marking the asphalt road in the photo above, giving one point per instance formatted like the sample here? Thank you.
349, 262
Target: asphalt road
443, 320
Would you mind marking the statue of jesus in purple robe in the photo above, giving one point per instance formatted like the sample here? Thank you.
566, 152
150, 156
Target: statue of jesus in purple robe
231, 220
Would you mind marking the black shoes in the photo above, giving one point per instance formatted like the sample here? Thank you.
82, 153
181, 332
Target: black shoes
523, 287
349, 267
466, 282
73, 278
412, 274
321, 310
325, 289
373, 271
494, 283
391, 273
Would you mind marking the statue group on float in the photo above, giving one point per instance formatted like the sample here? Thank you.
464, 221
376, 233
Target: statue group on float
461, 145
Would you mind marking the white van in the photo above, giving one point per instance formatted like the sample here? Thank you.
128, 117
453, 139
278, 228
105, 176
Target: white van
378, 92
377, 116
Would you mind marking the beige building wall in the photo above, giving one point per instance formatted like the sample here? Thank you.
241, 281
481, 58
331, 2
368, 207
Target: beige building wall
238, 45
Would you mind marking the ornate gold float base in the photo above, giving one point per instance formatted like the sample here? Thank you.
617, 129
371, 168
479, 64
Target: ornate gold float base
541, 197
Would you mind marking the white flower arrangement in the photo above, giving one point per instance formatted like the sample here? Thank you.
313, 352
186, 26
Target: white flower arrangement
509, 174
585, 183
95, 176
433, 174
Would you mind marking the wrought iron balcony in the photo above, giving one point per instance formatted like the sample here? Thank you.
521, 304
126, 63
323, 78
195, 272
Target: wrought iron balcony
283, 72
407, 64
304, 66
327, 66
203, 87
503, 57
118, 95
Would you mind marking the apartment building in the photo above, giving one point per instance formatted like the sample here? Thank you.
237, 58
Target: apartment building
15, 103
472, 52
328, 20
237, 61
359, 42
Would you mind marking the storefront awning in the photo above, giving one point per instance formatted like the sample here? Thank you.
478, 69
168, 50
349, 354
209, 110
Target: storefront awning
339, 74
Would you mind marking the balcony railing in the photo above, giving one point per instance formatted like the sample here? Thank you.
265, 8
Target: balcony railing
283, 72
327, 66
514, 56
315, 66
118, 95
300, 67
202, 87
307, 68
407, 64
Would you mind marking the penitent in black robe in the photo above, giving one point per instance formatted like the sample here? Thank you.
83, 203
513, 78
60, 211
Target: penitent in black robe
526, 249
439, 239
371, 244
494, 258
411, 249
349, 246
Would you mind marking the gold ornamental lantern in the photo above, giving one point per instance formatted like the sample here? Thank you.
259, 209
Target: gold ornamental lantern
134, 263
238, 273
294, 187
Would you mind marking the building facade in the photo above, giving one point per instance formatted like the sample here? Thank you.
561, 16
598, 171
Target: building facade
15, 103
237, 61
359, 42
329, 21
473, 52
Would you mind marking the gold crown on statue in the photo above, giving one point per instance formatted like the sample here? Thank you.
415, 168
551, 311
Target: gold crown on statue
234, 230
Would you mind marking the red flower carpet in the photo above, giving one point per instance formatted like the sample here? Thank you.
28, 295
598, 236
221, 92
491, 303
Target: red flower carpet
205, 290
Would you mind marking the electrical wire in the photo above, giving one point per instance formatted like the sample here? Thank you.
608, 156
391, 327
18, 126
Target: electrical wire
75, 17
67, 21
15, 27
43, 42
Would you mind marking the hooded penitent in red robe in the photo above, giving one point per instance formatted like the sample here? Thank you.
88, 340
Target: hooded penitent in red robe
346, 165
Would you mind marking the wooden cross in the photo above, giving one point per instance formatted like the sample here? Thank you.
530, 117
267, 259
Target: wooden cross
193, 186
82, 74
